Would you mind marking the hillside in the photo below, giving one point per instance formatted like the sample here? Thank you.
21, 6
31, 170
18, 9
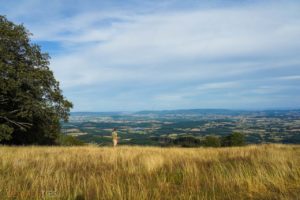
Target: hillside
251, 172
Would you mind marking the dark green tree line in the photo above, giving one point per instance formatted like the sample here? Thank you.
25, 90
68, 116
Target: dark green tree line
31, 102
233, 139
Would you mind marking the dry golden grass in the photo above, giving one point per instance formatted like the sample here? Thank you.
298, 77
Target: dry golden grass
252, 172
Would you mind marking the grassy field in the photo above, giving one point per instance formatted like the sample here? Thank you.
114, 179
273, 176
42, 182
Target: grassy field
252, 172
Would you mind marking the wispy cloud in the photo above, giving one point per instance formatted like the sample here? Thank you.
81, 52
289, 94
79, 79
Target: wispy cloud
296, 77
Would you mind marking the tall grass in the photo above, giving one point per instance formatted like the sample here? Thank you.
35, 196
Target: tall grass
252, 172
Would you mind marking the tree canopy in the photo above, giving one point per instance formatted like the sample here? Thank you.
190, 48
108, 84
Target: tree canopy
212, 141
31, 101
234, 139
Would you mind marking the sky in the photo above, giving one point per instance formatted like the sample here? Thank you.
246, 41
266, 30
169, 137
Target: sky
129, 55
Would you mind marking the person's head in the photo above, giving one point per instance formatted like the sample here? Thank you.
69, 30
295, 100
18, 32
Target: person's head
115, 129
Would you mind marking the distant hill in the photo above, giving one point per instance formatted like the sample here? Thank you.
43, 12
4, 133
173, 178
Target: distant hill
95, 113
229, 112
193, 112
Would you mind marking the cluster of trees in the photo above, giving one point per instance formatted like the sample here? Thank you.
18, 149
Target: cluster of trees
31, 102
234, 139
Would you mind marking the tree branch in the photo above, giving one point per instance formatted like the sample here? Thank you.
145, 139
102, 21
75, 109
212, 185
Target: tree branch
21, 125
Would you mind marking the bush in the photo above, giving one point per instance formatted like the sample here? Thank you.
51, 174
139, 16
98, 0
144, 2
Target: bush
212, 141
187, 141
67, 140
234, 139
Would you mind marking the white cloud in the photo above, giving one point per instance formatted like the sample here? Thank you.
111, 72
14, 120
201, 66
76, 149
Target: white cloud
219, 85
146, 47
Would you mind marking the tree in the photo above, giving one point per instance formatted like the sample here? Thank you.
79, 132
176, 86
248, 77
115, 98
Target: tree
234, 139
31, 102
187, 141
212, 141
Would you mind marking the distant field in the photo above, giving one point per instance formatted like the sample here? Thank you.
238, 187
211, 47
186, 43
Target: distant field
162, 128
252, 172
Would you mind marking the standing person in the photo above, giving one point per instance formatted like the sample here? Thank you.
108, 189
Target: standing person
115, 137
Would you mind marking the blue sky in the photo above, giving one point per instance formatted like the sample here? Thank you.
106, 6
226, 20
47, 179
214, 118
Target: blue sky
130, 55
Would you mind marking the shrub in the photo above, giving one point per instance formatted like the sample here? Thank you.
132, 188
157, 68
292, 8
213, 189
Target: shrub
67, 140
187, 141
212, 141
234, 139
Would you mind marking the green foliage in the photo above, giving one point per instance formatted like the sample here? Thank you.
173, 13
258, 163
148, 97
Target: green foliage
212, 141
5, 132
187, 141
31, 102
67, 140
234, 139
